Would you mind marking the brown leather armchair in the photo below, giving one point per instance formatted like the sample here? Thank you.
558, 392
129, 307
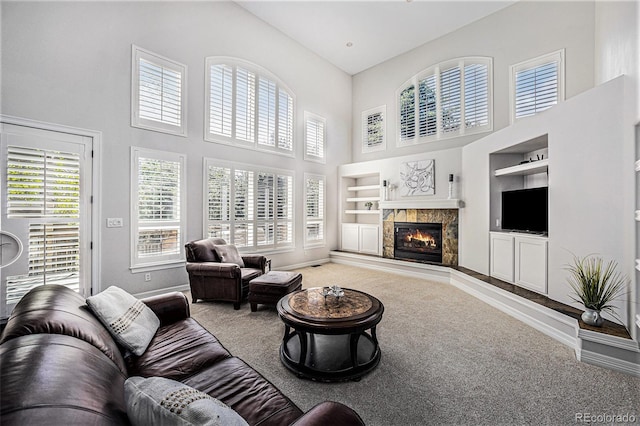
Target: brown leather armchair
211, 279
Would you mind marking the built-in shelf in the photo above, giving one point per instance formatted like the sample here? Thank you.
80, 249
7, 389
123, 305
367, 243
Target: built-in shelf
362, 199
363, 187
422, 204
530, 168
362, 211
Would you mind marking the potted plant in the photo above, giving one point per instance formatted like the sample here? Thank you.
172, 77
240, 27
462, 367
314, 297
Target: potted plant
368, 205
595, 286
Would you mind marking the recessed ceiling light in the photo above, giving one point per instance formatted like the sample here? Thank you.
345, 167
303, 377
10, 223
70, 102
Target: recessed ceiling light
349, 44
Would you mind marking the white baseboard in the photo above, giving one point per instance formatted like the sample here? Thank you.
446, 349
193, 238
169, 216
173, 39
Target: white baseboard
301, 265
180, 288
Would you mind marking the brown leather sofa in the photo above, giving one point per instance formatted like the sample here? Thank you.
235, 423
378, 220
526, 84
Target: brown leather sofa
59, 365
210, 279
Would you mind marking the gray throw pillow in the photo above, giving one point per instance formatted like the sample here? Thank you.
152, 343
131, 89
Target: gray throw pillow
161, 401
229, 254
131, 323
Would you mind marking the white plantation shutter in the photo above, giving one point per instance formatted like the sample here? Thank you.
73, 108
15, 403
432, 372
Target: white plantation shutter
373, 129
537, 84
314, 210
314, 137
42, 183
247, 105
454, 98
285, 121
265, 208
261, 203
427, 116
450, 99
159, 89
220, 99
54, 258
159, 205
407, 113
284, 210
476, 95
266, 112
243, 202
218, 202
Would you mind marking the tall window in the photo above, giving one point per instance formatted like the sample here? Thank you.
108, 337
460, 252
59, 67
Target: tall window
453, 98
158, 208
373, 129
314, 218
314, 137
251, 207
158, 93
537, 85
247, 106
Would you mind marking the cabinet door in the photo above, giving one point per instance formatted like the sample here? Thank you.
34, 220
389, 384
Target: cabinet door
350, 237
531, 263
502, 257
369, 239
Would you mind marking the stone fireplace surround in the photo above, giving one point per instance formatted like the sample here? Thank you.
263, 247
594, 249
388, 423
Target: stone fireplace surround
448, 218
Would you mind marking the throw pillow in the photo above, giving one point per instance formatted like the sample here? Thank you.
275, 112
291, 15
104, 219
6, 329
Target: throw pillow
161, 401
131, 323
229, 254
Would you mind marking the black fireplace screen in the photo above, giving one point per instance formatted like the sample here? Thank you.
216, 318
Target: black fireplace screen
418, 241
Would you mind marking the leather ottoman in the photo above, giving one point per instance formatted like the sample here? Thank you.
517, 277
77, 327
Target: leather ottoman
267, 289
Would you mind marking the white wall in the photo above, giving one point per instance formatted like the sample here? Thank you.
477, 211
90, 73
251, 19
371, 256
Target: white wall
587, 209
617, 52
70, 63
523, 31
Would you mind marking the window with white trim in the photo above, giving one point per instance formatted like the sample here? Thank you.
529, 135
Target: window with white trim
373, 129
536, 85
452, 98
314, 137
247, 106
158, 192
158, 93
314, 216
250, 207
43, 191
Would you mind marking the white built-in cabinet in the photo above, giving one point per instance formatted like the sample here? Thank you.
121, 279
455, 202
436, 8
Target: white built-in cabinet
361, 223
361, 238
520, 259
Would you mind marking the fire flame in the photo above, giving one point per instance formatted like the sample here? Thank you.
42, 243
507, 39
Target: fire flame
426, 239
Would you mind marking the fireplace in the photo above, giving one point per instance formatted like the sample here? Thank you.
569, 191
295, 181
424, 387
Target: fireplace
418, 241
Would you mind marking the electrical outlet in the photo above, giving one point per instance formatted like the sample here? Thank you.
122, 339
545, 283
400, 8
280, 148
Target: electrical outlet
498, 223
114, 222
147, 276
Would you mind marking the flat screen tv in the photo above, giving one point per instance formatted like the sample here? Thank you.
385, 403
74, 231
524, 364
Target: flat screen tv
526, 210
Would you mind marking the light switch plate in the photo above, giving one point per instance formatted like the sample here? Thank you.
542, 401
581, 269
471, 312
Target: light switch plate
114, 222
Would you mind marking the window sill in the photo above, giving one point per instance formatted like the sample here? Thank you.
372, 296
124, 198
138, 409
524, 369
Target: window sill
157, 266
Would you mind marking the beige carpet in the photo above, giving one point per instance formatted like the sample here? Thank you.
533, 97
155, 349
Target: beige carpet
447, 358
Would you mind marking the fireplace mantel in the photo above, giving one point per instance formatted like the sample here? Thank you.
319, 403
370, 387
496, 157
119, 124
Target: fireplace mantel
422, 204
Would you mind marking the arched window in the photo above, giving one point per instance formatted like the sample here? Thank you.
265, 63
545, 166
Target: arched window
452, 98
247, 106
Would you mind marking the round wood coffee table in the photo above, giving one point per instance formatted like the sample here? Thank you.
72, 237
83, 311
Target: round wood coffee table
329, 341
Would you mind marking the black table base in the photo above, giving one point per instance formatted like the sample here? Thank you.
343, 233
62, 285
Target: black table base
330, 357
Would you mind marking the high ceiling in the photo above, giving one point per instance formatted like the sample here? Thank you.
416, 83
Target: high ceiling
356, 35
